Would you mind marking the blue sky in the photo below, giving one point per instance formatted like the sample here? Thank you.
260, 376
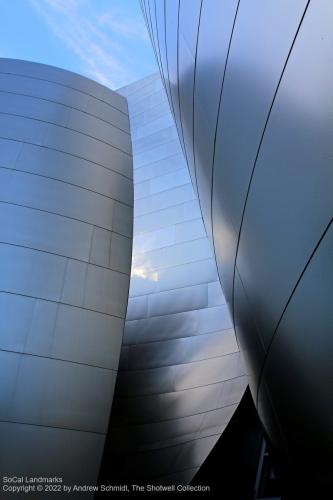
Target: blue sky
105, 40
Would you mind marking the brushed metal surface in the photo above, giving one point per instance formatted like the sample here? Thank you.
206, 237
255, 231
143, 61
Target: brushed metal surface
66, 203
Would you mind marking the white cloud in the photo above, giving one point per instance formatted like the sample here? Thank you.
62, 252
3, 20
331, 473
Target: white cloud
94, 37
126, 27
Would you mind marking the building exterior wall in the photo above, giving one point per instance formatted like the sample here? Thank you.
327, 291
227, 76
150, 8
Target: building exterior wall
250, 85
65, 253
181, 376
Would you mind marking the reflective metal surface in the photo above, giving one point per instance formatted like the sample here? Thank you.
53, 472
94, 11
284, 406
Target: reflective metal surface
65, 252
181, 376
250, 88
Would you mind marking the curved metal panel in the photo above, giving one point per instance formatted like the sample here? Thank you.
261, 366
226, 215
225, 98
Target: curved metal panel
209, 78
271, 200
65, 253
297, 376
181, 375
256, 58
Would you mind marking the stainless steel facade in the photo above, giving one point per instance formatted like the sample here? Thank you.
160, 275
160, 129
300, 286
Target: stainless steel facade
250, 87
181, 376
66, 210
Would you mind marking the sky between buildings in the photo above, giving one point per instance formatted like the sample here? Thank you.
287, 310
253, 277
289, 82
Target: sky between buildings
105, 40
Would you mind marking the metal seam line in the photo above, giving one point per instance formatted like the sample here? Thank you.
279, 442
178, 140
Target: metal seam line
63, 360
184, 363
288, 302
258, 152
200, 335
214, 148
141, 395
157, 422
61, 303
87, 262
193, 117
59, 103
65, 216
52, 427
65, 182
25, 117
66, 153
70, 87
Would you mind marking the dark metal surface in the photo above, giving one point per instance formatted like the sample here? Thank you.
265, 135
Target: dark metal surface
181, 376
258, 138
65, 254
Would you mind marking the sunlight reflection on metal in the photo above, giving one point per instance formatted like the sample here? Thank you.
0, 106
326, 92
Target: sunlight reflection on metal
180, 375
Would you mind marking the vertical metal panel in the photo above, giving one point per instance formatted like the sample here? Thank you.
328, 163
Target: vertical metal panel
210, 65
257, 55
189, 18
